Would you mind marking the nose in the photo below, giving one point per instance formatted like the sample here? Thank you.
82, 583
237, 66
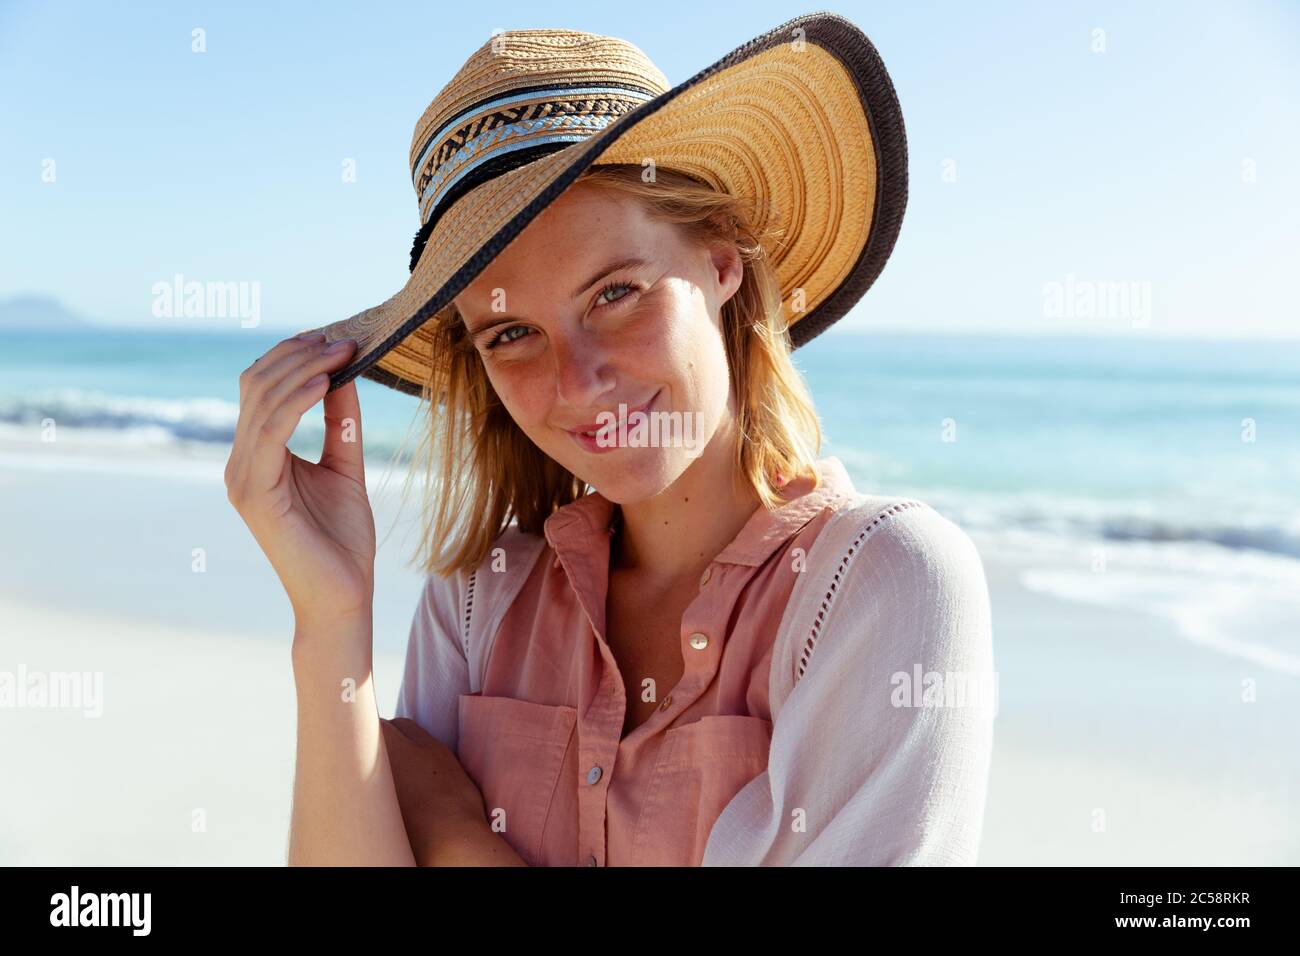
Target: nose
583, 372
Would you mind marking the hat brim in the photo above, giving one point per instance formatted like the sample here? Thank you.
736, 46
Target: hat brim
804, 119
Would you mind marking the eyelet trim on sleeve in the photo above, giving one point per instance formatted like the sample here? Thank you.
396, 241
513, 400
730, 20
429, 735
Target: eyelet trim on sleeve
829, 598
469, 609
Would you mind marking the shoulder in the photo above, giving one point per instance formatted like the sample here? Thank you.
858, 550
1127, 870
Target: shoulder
910, 528
449, 600
437, 618
898, 578
513, 551
904, 538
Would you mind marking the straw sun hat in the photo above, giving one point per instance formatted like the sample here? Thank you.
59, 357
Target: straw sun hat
802, 119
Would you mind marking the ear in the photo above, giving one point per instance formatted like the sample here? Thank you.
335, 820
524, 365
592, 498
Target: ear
728, 269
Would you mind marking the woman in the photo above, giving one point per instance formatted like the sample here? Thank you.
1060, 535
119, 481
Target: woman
633, 550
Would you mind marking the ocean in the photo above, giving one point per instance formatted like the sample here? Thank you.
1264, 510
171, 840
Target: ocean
1158, 475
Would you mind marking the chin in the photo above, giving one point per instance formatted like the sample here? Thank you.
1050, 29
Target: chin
633, 474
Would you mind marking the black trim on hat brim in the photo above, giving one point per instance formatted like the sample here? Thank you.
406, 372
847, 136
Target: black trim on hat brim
830, 31
489, 170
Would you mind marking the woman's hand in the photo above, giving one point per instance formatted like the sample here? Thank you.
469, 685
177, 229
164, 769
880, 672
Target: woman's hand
441, 806
313, 521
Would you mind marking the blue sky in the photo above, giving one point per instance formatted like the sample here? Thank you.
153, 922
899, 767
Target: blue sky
1120, 166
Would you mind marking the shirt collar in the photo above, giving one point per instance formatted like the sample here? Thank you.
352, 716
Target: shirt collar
583, 527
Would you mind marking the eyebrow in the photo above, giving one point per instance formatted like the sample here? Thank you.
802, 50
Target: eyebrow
628, 262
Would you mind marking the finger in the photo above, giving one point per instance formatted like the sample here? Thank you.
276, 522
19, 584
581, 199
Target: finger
342, 451
265, 372
308, 368
253, 373
270, 438
300, 367
253, 382
272, 371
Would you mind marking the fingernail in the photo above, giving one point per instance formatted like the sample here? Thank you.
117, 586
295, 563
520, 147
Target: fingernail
311, 336
340, 345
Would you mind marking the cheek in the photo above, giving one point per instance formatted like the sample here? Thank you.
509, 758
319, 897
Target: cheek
521, 394
688, 337
702, 361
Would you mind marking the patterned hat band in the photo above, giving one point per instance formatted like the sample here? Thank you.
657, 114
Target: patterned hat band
802, 121
507, 132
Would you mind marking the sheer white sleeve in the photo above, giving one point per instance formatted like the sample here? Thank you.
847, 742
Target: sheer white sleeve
436, 671
881, 747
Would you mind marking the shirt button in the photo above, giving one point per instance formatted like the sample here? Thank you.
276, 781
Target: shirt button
699, 641
704, 578
668, 701
593, 775
591, 861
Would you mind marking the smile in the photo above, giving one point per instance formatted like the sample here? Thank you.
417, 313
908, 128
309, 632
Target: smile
587, 437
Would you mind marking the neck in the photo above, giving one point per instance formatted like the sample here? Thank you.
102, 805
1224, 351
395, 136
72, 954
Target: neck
675, 534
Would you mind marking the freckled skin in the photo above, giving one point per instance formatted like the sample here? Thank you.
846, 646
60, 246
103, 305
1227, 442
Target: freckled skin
582, 356
573, 358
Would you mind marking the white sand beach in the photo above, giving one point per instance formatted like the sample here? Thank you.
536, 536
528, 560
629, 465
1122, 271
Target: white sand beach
1118, 741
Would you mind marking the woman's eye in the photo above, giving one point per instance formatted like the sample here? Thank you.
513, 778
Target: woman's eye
504, 338
615, 286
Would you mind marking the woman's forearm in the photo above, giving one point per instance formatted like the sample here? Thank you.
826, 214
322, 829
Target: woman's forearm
472, 843
345, 808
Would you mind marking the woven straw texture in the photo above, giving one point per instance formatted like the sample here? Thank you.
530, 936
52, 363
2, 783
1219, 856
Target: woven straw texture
803, 119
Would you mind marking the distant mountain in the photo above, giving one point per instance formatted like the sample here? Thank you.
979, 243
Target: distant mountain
38, 312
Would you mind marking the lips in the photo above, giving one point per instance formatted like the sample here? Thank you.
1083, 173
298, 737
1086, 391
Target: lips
591, 428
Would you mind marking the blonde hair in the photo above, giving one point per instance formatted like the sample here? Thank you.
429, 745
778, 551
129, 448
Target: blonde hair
481, 470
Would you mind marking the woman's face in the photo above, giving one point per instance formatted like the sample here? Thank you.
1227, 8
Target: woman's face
570, 328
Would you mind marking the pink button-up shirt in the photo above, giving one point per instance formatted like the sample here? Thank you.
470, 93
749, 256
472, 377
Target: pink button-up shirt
543, 739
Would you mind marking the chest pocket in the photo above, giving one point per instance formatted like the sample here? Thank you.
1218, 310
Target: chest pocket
514, 751
701, 766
